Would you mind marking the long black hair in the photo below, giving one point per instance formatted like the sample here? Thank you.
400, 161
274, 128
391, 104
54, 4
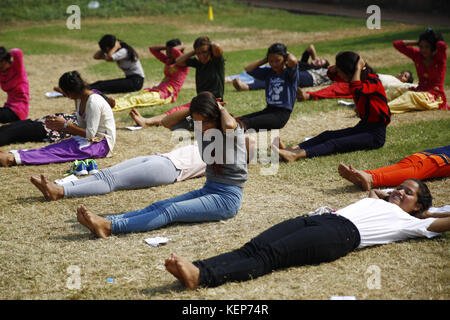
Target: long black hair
108, 41
205, 104
424, 197
4, 54
347, 61
432, 37
72, 82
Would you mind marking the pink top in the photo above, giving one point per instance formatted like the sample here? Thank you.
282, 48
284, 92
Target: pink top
174, 75
188, 160
431, 78
14, 82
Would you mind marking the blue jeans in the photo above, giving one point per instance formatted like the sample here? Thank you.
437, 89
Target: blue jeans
213, 202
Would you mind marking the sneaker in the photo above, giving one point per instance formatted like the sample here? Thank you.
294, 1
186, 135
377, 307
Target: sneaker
79, 168
91, 165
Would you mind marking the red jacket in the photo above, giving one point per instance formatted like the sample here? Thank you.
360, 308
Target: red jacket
369, 97
431, 78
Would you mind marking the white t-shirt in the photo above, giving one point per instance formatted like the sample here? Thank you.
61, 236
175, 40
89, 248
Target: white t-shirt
188, 160
129, 67
381, 222
390, 82
98, 119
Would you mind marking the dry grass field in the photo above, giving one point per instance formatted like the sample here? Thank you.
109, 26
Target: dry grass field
40, 240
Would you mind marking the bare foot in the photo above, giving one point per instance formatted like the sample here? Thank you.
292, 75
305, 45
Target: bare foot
171, 266
288, 154
136, 116
188, 272
82, 220
302, 96
98, 225
50, 190
239, 85
357, 177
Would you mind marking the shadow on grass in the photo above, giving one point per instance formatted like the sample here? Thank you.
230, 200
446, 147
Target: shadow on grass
174, 287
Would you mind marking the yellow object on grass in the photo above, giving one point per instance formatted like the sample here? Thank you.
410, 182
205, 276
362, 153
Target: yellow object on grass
139, 99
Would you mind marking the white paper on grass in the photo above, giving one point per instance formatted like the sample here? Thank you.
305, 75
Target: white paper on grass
154, 242
53, 94
133, 128
346, 103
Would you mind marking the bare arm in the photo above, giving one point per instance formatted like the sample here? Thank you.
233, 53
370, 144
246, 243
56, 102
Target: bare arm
99, 55
217, 50
378, 194
57, 123
291, 60
359, 67
227, 120
109, 54
174, 118
440, 225
181, 60
256, 64
312, 51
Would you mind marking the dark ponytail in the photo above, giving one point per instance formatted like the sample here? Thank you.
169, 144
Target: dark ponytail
72, 82
347, 61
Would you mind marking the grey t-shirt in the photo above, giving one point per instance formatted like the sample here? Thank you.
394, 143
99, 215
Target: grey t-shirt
225, 155
129, 67
319, 76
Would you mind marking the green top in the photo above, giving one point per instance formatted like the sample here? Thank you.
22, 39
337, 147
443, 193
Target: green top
210, 76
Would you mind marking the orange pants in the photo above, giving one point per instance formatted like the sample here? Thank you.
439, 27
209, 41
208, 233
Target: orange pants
417, 166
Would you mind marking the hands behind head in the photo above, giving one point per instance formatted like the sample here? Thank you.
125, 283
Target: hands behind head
220, 103
361, 63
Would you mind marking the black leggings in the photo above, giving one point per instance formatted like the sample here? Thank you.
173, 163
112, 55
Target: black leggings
7, 115
294, 242
128, 84
22, 131
269, 118
360, 137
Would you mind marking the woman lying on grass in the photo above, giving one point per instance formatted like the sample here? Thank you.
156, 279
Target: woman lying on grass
221, 196
431, 163
371, 106
93, 136
378, 219
140, 172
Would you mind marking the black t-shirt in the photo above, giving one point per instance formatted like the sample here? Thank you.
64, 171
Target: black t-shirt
210, 76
